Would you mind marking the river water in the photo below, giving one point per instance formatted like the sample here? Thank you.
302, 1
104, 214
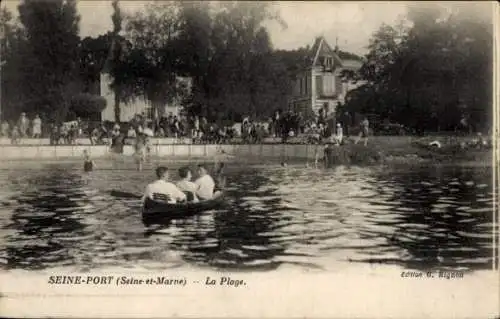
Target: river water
417, 217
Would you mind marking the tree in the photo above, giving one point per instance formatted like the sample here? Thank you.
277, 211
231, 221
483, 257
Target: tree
116, 52
86, 104
12, 44
428, 73
226, 79
49, 69
153, 58
94, 54
195, 51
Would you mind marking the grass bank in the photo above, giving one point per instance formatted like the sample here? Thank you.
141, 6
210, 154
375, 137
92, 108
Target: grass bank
388, 149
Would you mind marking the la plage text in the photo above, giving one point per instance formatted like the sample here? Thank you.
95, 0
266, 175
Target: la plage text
224, 281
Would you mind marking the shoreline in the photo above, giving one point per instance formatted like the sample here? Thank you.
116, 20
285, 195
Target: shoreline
374, 153
268, 161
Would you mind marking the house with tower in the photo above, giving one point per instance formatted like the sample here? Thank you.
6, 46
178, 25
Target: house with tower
319, 86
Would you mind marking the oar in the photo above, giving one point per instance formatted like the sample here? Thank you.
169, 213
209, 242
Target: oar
123, 194
221, 181
9, 202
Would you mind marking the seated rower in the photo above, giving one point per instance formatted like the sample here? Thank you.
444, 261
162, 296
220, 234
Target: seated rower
163, 190
185, 184
204, 184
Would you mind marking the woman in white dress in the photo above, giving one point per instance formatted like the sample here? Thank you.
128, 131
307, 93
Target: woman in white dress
37, 127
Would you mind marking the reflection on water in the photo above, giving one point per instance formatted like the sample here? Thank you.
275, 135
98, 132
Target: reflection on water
419, 218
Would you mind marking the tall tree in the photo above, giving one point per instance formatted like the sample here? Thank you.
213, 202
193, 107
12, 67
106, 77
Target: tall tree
153, 34
49, 65
12, 44
94, 58
237, 38
429, 73
116, 52
195, 50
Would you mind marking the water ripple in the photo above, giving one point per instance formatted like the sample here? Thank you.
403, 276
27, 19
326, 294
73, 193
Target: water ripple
415, 217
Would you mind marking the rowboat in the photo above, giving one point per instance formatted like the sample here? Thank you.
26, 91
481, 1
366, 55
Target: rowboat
157, 212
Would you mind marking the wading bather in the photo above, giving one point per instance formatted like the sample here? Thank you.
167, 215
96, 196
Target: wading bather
140, 150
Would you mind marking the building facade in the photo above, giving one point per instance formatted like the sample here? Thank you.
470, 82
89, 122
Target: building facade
319, 86
138, 106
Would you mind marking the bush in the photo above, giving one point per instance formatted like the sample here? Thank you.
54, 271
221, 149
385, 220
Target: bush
84, 104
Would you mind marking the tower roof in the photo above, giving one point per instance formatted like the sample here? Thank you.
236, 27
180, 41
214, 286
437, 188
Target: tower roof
322, 48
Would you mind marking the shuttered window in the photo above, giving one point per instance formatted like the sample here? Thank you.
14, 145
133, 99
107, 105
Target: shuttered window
319, 85
328, 85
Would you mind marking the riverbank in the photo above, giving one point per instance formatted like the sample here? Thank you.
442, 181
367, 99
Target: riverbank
408, 151
391, 140
378, 150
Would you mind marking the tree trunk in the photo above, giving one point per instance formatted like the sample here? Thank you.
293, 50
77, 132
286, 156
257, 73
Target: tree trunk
117, 106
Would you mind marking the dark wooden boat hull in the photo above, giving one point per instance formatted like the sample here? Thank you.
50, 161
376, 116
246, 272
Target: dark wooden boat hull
154, 212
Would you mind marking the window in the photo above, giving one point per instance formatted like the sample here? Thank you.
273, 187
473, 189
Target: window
149, 112
319, 85
328, 85
328, 62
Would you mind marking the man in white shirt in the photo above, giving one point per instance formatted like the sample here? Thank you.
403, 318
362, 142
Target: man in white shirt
204, 184
161, 189
131, 132
186, 185
148, 131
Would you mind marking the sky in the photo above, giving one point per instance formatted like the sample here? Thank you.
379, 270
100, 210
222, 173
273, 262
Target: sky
352, 23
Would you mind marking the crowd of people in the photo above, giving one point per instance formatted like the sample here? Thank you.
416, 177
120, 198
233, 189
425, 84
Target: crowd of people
282, 126
22, 128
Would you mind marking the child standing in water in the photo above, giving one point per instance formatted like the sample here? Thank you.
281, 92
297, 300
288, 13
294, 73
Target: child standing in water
140, 150
88, 163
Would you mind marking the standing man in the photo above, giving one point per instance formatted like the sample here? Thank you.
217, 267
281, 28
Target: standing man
5, 128
23, 124
346, 121
365, 130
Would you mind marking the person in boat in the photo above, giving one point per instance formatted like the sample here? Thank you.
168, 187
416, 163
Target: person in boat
162, 189
88, 163
205, 184
189, 188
